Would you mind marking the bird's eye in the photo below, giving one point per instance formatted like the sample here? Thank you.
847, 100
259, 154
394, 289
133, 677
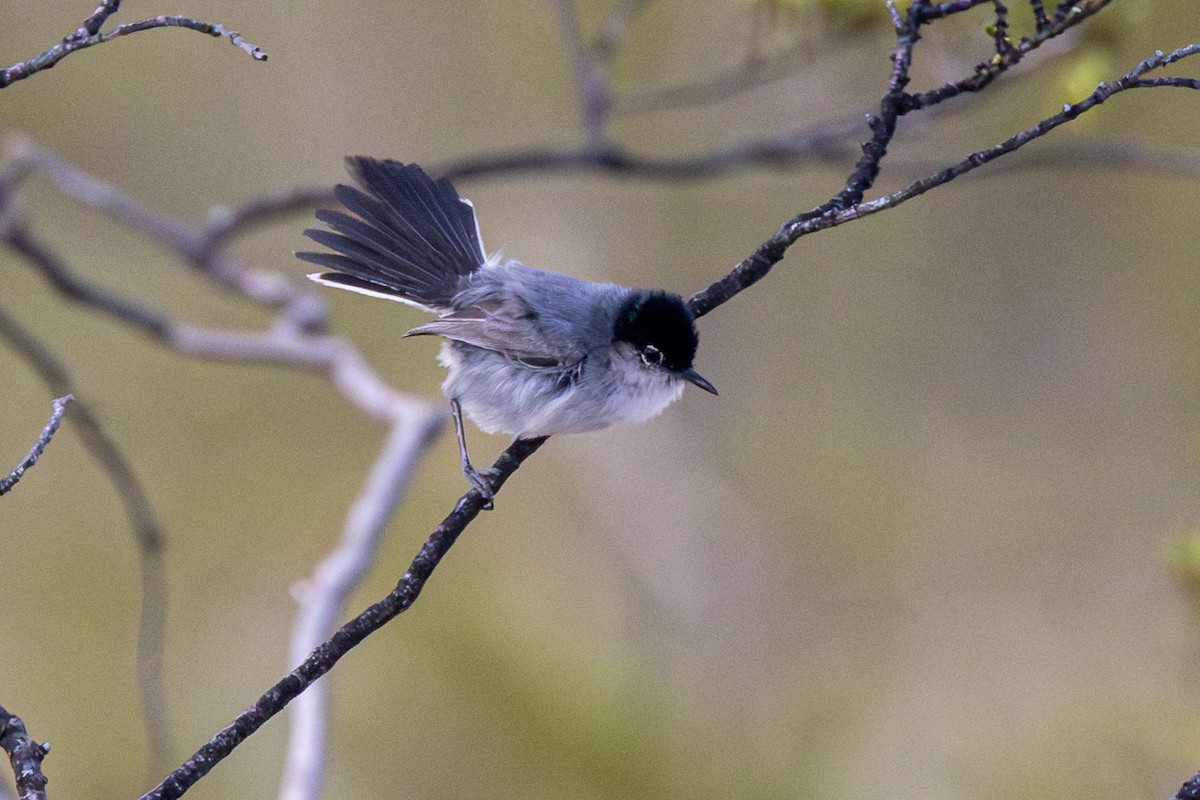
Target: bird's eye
652, 356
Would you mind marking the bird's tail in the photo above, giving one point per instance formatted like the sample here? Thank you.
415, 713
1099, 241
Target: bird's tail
410, 238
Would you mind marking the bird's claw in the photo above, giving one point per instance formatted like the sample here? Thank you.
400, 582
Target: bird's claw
481, 481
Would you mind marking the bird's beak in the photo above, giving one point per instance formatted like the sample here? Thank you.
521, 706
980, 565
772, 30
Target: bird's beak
692, 376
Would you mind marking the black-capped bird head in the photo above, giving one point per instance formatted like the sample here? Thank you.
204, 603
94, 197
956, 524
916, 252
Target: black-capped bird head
662, 332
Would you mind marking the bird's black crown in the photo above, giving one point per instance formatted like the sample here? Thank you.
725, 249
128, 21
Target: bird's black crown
658, 323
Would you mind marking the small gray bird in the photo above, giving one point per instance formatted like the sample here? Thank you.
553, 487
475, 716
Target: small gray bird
529, 352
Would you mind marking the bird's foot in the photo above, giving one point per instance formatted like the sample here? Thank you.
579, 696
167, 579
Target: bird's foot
481, 481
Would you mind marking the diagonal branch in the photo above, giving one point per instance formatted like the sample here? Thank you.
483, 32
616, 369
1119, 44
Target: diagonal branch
89, 35
323, 658
284, 345
827, 142
1007, 56
322, 597
25, 755
756, 266
35, 452
197, 246
92, 25
147, 532
1189, 790
293, 341
296, 345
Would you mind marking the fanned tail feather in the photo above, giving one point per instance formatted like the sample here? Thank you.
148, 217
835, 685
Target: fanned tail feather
410, 238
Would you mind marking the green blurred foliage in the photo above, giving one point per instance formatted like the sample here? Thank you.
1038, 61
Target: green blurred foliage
915, 547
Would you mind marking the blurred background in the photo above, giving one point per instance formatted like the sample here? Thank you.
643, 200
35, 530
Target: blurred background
925, 544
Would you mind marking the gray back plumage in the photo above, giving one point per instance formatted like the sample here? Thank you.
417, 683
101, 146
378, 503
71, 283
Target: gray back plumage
540, 318
410, 236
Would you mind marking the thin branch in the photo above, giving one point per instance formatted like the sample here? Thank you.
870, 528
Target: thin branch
883, 127
823, 143
92, 25
25, 755
1000, 30
322, 598
189, 243
1190, 790
290, 342
147, 532
336, 358
282, 345
293, 343
226, 223
1111, 154
35, 452
1041, 21
38, 253
590, 75
89, 35
1007, 55
748, 75
759, 263
935, 11
757, 73
1065, 9
323, 658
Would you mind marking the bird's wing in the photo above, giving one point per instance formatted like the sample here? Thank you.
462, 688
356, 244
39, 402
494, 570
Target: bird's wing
408, 237
508, 327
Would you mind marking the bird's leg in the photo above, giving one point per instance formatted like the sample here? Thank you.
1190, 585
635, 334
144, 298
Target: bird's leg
480, 480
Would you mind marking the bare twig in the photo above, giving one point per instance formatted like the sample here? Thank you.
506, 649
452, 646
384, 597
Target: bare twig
38, 253
194, 245
26, 757
89, 35
883, 126
322, 598
92, 25
1007, 55
823, 143
935, 11
1190, 790
291, 341
1095, 154
226, 223
322, 659
35, 452
590, 75
743, 77
280, 345
831, 214
147, 533
1041, 21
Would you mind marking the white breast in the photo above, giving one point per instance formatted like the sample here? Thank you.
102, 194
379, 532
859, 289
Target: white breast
501, 396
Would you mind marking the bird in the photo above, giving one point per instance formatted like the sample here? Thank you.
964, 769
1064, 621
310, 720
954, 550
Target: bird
528, 352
